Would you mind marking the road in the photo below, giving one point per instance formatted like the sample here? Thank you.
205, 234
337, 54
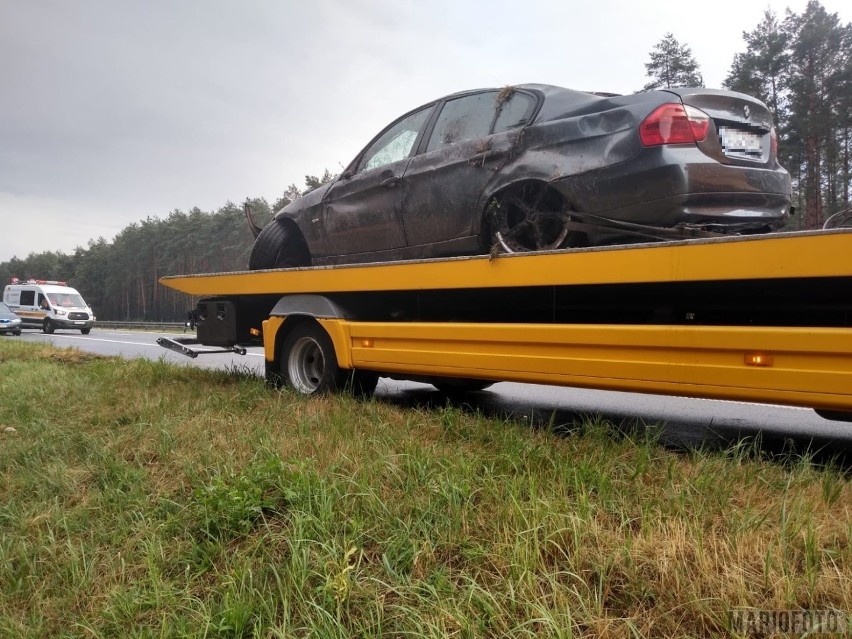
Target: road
684, 422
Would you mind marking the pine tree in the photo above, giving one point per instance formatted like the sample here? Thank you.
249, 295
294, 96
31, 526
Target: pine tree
672, 65
819, 63
291, 193
313, 182
762, 70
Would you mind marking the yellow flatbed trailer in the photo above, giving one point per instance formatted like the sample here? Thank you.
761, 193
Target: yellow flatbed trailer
755, 318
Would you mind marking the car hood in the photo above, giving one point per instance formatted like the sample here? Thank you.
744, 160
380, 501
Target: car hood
309, 199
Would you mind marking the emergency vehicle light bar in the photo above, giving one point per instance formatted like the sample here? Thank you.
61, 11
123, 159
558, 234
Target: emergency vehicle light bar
15, 280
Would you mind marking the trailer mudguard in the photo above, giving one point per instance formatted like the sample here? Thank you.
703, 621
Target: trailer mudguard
316, 306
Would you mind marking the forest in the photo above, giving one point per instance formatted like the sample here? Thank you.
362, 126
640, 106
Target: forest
800, 65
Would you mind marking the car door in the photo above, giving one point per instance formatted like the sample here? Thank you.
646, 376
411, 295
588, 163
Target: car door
470, 140
362, 209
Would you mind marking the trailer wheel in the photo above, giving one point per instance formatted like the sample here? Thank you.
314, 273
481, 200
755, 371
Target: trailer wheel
48, 327
309, 364
451, 385
278, 245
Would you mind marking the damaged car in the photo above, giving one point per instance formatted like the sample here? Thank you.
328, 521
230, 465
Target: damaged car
537, 167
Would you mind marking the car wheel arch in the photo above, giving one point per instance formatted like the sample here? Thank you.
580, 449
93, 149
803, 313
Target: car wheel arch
292, 225
282, 233
482, 228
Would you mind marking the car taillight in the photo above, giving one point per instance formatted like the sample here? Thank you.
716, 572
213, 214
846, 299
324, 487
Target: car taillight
674, 124
773, 142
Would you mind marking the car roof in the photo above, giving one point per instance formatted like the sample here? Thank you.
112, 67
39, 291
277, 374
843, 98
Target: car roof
53, 288
546, 90
558, 101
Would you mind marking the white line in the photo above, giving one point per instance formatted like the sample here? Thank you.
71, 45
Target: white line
119, 333
111, 341
116, 341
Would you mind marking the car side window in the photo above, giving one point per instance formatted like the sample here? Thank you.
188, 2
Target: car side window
514, 112
27, 298
465, 118
396, 143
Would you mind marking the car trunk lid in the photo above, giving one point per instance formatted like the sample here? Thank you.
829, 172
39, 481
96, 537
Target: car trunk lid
742, 125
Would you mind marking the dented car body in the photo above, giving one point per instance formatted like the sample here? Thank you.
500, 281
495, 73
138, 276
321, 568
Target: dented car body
537, 167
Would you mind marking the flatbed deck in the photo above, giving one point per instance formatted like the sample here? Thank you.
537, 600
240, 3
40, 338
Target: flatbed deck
811, 254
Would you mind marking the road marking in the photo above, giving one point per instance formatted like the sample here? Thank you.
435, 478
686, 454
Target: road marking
118, 333
97, 339
117, 341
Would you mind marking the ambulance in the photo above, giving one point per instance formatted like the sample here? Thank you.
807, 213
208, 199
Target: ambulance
49, 305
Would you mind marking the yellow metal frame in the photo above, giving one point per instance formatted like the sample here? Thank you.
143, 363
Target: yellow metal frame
785, 255
271, 327
798, 366
801, 367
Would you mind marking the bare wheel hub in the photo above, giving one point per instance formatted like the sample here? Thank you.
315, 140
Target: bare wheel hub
525, 221
306, 365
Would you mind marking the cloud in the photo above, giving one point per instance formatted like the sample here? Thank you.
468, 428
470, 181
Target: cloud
115, 111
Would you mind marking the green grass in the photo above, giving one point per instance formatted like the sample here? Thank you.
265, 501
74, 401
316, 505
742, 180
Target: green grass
145, 500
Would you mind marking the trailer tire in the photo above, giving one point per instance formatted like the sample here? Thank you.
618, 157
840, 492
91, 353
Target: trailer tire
279, 245
453, 385
309, 364
48, 327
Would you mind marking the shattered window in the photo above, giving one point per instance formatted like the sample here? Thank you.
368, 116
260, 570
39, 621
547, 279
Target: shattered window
396, 143
514, 112
463, 119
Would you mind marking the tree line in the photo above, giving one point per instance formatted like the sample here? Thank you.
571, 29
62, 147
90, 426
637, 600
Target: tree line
120, 278
799, 65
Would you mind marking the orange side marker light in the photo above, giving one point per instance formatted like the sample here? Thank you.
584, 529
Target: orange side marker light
758, 359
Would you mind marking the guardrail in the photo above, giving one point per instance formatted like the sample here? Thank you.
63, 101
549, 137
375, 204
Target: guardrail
144, 326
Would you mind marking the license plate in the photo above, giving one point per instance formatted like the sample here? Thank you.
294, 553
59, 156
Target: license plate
79, 323
740, 143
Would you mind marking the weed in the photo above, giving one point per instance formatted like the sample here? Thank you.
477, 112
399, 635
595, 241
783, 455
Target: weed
232, 503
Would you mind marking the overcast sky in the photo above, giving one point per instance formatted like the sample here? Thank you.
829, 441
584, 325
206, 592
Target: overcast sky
112, 111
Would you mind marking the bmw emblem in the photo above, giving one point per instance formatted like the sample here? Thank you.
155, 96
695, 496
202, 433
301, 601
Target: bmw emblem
746, 111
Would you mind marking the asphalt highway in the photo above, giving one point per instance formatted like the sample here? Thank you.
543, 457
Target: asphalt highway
680, 421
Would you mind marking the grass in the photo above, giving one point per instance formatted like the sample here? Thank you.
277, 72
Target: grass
145, 500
